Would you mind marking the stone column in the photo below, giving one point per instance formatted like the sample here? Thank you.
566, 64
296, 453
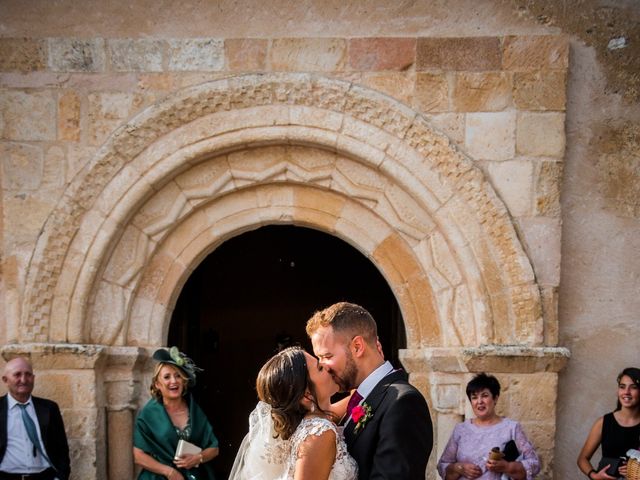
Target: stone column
70, 374
528, 377
123, 389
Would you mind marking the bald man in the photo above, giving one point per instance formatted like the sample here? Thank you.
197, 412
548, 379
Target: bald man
20, 457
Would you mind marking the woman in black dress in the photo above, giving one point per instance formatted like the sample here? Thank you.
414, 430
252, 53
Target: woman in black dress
617, 431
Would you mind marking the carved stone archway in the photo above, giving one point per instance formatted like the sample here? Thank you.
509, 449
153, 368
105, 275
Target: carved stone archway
221, 158
430, 187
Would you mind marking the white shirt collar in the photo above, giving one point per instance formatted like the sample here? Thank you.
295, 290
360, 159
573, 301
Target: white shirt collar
12, 402
374, 378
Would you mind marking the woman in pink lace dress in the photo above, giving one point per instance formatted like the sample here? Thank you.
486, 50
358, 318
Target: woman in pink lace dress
467, 454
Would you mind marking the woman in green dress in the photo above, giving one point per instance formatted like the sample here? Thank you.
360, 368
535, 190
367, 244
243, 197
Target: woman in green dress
172, 415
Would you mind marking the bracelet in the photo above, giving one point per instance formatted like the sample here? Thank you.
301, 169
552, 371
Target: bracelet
201, 458
590, 472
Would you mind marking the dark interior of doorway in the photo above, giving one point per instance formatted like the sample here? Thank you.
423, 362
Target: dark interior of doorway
252, 296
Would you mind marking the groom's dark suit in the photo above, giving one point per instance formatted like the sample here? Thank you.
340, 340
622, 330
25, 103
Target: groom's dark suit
395, 443
51, 429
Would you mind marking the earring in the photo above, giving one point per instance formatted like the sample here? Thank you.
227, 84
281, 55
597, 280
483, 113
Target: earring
313, 407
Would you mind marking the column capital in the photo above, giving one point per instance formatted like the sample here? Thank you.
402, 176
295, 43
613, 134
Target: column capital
49, 356
489, 358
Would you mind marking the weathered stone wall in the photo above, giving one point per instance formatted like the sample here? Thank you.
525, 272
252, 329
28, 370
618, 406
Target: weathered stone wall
489, 95
490, 77
599, 299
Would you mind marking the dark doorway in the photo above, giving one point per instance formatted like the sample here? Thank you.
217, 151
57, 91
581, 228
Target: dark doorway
253, 295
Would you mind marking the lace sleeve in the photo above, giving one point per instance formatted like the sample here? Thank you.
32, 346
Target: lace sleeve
311, 426
528, 456
344, 466
450, 453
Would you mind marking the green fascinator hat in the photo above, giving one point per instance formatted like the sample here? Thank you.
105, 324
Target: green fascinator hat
175, 357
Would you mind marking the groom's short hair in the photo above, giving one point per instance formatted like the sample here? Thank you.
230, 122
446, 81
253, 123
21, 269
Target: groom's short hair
345, 318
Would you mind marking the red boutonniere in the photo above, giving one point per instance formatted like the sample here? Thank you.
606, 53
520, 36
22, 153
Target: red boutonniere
361, 415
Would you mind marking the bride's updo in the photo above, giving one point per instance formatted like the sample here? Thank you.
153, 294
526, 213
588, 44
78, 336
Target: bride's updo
282, 383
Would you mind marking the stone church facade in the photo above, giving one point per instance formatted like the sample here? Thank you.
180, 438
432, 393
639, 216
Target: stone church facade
128, 157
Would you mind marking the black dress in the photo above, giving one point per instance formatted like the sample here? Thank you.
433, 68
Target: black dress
616, 439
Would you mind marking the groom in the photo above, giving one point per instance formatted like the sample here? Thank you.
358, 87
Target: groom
389, 431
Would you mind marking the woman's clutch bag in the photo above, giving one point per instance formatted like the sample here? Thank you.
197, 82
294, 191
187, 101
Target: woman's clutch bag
186, 447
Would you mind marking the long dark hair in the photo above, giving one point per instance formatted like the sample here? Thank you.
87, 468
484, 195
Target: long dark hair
634, 374
282, 382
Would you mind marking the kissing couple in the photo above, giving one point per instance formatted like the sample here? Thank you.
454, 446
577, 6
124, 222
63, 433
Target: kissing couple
294, 432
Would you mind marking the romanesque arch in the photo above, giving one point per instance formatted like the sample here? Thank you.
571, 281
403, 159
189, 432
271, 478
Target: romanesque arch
212, 161
216, 152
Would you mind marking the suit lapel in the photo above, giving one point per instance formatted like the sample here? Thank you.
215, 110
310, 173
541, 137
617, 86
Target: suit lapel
3, 425
42, 412
374, 400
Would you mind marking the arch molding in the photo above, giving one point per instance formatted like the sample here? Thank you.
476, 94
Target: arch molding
234, 154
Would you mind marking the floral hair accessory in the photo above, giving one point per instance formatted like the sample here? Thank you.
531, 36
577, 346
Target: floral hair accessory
180, 360
174, 353
361, 415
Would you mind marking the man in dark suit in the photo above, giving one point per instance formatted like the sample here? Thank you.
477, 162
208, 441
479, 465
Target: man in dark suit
388, 428
35, 447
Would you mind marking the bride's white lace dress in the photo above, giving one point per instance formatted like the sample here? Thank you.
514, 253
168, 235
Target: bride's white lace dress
264, 457
344, 468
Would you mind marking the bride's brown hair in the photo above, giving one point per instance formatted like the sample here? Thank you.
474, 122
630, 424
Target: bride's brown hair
282, 382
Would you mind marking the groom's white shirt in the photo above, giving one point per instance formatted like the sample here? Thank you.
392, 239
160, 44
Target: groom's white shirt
369, 383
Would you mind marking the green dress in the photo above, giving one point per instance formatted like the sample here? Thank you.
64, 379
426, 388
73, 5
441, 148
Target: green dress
155, 435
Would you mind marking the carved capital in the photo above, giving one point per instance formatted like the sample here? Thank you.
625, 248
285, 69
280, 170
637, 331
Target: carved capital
489, 358
49, 356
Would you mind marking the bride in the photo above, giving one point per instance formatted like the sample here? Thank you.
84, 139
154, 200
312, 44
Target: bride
292, 434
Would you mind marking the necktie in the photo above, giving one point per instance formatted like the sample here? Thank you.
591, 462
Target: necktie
353, 401
31, 431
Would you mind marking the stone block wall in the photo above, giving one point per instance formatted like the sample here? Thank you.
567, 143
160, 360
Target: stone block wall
499, 99
598, 300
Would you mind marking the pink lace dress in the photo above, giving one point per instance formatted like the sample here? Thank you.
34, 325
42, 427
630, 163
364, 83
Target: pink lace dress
470, 443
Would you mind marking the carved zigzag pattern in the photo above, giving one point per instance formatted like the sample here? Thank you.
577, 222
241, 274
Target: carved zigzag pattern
246, 92
157, 227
